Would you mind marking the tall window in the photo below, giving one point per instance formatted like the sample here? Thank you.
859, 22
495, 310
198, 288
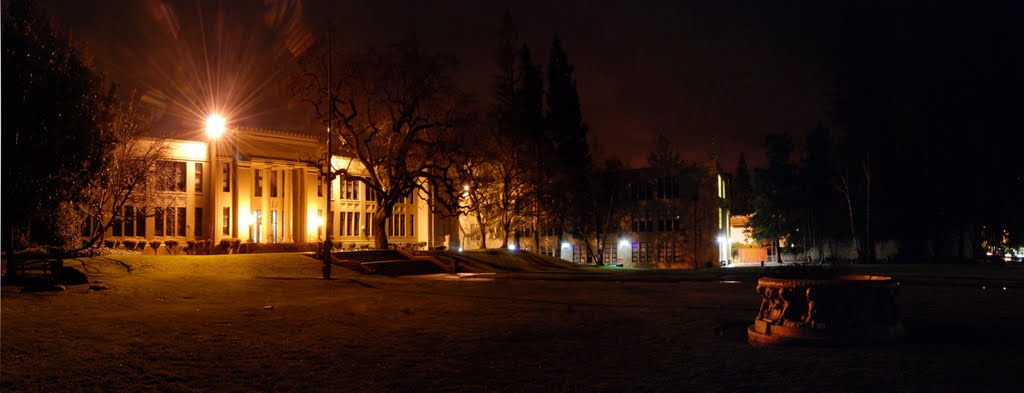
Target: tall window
319, 186
227, 222
369, 224
412, 224
226, 186
199, 222
140, 222
355, 225
129, 221
273, 184
258, 183
158, 221
401, 225
258, 227
116, 227
273, 225
199, 177
349, 189
181, 221
174, 174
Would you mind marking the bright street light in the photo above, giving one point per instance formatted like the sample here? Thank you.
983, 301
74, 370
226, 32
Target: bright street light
215, 126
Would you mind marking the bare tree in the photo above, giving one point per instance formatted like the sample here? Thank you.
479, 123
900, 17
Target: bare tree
397, 111
131, 175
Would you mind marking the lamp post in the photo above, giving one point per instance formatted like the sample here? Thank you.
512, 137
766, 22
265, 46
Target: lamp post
329, 230
216, 125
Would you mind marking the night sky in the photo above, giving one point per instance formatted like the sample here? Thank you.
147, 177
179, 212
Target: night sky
713, 76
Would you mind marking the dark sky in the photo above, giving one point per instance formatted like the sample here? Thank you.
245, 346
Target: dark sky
713, 76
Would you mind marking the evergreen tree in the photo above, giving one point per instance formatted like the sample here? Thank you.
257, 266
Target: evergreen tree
568, 133
53, 136
776, 199
741, 189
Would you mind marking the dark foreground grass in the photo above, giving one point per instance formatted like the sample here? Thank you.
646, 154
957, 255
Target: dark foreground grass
267, 323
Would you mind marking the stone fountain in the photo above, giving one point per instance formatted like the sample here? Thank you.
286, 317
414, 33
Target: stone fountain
835, 311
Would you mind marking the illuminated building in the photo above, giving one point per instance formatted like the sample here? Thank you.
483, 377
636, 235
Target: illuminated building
257, 186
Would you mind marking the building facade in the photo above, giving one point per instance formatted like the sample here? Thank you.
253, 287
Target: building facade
666, 219
260, 186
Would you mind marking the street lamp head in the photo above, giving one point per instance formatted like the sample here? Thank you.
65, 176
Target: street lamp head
215, 126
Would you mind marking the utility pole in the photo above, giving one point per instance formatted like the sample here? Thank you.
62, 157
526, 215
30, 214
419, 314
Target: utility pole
330, 163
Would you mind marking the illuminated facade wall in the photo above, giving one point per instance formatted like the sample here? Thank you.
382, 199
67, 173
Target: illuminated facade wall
253, 185
671, 223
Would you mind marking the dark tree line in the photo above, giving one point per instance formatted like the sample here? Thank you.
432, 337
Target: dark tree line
531, 168
922, 144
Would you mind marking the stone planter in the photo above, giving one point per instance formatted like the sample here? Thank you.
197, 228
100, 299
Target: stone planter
847, 309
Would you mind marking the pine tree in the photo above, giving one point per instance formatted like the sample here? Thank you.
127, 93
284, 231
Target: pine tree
741, 188
571, 199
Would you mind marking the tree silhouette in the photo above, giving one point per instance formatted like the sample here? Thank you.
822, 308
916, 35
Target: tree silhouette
399, 114
568, 133
53, 135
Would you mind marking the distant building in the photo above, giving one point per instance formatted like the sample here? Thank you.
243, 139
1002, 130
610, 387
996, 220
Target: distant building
253, 185
670, 219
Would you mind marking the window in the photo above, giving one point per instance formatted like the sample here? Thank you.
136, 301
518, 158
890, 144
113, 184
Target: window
258, 227
642, 252
611, 253
116, 227
319, 186
350, 227
273, 184
273, 224
227, 221
369, 224
199, 177
129, 221
258, 183
169, 222
371, 194
140, 222
342, 224
226, 186
158, 221
181, 221
412, 223
173, 174
355, 223
401, 225
199, 222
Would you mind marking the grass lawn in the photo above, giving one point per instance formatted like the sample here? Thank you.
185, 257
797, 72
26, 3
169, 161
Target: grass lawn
266, 322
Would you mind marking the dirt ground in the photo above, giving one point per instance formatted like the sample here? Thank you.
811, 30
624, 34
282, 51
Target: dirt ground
266, 322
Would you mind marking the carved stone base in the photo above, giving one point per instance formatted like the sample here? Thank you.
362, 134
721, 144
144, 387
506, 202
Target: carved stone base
762, 334
850, 309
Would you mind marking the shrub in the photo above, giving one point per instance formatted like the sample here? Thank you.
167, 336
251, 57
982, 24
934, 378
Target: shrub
108, 243
224, 245
171, 245
141, 246
190, 247
155, 244
65, 227
236, 244
130, 244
